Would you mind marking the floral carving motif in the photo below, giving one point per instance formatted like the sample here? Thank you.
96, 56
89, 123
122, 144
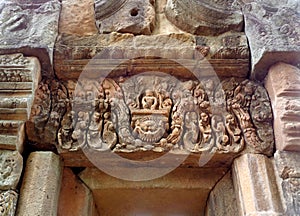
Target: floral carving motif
153, 112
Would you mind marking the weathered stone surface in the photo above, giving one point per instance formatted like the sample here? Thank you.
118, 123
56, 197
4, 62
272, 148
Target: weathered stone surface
8, 202
41, 185
288, 164
205, 17
12, 135
75, 198
222, 200
255, 186
30, 28
291, 193
240, 119
228, 54
283, 85
11, 166
77, 17
19, 77
272, 28
125, 16
50, 105
181, 192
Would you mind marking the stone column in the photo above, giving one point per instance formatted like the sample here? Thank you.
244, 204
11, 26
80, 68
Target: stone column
41, 185
255, 186
283, 86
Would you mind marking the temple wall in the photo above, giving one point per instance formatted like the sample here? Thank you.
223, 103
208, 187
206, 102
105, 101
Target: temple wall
149, 107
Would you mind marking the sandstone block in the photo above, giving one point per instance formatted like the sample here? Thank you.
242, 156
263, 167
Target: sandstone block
283, 85
255, 186
11, 166
126, 16
75, 198
41, 185
204, 17
227, 54
78, 18
30, 27
272, 28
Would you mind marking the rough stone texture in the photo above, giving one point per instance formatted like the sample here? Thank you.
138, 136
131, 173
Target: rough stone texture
50, 105
255, 186
30, 28
222, 200
11, 166
287, 164
77, 17
8, 202
41, 185
75, 198
19, 77
272, 28
283, 86
126, 16
12, 135
181, 192
291, 193
228, 54
205, 17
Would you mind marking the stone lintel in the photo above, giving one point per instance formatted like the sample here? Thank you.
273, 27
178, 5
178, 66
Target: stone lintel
125, 55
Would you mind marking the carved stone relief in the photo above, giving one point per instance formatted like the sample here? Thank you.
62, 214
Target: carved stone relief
31, 28
19, 77
50, 104
273, 31
8, 202
125, 16
159, 113
205, 17
11, 164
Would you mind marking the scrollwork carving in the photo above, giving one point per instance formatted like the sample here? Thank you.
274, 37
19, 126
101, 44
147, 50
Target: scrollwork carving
159, 113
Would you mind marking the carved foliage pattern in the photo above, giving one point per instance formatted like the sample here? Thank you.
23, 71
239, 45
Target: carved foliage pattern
153, 113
